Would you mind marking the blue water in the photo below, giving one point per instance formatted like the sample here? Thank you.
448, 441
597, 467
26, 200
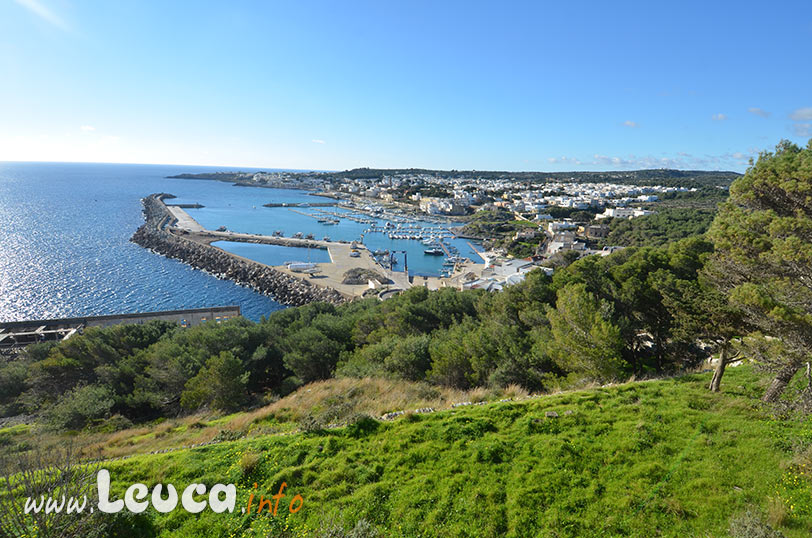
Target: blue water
240, 209
64, 249
274, 254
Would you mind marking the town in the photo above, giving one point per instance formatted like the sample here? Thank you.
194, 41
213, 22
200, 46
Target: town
521, 220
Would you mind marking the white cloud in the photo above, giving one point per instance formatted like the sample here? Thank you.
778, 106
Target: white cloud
606, 160
719, 117
562, 160
801, 114
802, 129
630, 123
87, 128
317, 141
680, 160
35, 7
758, 112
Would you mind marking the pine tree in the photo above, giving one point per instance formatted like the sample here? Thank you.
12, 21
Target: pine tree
763, 258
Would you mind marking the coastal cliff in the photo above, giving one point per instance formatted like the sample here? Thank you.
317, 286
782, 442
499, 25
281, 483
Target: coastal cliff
284, 288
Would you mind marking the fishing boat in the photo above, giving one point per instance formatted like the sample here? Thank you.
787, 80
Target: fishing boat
434, 251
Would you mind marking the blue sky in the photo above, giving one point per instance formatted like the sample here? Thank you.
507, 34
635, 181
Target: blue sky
465, 85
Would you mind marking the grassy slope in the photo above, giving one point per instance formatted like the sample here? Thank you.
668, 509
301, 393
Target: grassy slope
661, 458
332, 400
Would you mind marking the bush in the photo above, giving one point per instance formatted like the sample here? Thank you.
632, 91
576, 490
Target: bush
249, 462
220, 384
361, 425
78, 407
362, 529
114, 424
228, 435
750, 525
12, 383
410, 358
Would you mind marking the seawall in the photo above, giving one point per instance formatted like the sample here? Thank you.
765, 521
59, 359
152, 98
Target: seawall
282, 287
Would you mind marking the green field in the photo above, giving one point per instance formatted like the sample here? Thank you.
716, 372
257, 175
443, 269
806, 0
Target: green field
657, 458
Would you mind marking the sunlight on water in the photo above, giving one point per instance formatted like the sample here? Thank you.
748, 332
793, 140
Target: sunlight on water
64, 248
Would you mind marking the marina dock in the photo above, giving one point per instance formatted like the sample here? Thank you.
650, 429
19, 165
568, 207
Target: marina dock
310, 204
329, 275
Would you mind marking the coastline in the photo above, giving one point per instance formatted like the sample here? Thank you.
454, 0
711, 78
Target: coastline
156, 235
172, 232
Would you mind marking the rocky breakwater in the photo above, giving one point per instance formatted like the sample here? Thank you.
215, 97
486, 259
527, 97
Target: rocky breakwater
282, 287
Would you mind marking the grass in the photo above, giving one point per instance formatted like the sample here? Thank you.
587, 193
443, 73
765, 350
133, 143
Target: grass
656, 458
333, 400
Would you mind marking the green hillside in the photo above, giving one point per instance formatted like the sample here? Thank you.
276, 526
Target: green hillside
658, 458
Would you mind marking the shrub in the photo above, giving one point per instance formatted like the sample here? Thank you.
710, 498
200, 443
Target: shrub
114, 424
12, 383
310, 423
249, 462
362, 529
228, 435
221, 383
361, 425
79, 407
410, 358
750, 525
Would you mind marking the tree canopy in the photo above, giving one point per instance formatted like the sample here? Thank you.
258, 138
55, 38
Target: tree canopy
763, 259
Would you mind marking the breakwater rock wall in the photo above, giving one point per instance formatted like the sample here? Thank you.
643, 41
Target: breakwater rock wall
282, 287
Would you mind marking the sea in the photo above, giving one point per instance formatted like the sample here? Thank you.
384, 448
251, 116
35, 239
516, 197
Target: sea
65, 229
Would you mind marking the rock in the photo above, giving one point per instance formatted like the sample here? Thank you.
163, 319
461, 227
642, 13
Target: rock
551, 414
284, 288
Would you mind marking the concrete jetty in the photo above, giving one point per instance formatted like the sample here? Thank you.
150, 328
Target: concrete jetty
330, 275
183, 219
171, 231
161, 234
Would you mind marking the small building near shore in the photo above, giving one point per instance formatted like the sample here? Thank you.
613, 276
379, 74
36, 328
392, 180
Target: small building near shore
18, 334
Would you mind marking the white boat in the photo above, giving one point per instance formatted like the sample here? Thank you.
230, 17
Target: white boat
301, 267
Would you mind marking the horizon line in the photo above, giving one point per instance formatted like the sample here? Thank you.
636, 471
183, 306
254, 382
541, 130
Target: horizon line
304, 170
